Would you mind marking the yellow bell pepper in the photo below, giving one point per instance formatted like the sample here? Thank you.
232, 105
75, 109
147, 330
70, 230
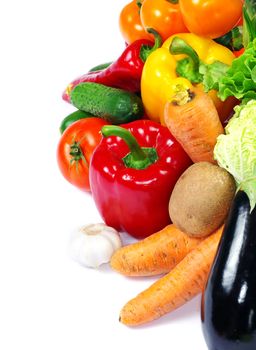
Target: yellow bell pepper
160, 82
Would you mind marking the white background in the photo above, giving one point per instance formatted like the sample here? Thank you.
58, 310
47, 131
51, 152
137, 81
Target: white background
47, 301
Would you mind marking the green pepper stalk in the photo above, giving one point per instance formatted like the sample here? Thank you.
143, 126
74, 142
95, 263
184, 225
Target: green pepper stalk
187, 67
146, 50
138, 157
193, 69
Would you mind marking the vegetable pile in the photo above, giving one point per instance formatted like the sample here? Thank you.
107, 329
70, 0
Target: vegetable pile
164, 139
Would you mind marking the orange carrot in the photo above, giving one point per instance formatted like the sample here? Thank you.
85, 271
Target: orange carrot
156, 254
173, 290
193, 120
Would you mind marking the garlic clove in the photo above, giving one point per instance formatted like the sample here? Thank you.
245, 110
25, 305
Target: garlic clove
93, 245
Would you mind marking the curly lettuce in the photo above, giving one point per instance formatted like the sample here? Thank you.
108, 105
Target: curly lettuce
235, 151
240, 79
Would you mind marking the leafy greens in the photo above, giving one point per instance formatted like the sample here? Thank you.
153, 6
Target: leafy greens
240, 79
236, 150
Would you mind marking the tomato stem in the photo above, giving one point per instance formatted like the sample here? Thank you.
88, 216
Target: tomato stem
77, 154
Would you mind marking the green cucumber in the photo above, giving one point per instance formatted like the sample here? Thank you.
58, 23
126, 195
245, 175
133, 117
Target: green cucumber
100, 67
117, 106
73, 117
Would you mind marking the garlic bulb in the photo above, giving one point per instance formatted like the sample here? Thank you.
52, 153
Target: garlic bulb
93, 245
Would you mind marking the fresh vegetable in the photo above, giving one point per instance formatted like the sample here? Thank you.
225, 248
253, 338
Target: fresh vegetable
130, 24
193, 120
239, 79
233, 40
201, 199
229, 303
154, 255
173, 290
164, 16
160, 80
75, 149
125, 72
249, 22
93, 245
192, 67
239, 53
73, 117
132, 174
100, 67
236, 150
229, 294
115, 105
206, 74
210, 18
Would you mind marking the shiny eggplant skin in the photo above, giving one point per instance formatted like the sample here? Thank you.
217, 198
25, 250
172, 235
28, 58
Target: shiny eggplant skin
228, 309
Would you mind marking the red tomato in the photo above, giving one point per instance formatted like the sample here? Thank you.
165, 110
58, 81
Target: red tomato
75, 149
130, 23
163, 16
211, 18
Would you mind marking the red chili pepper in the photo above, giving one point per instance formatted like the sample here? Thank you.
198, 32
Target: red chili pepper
132, 174
125, 73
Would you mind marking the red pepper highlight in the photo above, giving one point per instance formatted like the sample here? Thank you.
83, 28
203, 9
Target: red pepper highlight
125, 72
132, 174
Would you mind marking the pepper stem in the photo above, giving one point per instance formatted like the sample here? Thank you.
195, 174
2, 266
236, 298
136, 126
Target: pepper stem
179, 46
146, 50
129, 139
187, 67
139, 4
138, 157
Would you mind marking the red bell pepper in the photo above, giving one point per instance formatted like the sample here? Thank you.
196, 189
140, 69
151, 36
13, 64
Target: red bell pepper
125, 72
239, 52
132, 174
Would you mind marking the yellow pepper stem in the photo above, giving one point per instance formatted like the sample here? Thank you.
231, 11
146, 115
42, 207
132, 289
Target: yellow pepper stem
187, 67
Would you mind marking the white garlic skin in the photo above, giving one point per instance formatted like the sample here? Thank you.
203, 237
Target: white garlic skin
93, 245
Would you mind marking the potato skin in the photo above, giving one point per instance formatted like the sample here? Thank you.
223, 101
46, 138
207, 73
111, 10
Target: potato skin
201, 199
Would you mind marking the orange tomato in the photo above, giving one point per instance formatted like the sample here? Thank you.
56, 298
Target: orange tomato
162, 15
130, 23
211, 18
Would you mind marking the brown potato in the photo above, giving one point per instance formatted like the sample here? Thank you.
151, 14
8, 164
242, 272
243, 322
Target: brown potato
201, 199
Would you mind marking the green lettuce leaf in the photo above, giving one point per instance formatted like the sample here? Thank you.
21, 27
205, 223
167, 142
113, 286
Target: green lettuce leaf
236, 150
187, 69
249, 16
212, 73
240, 78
